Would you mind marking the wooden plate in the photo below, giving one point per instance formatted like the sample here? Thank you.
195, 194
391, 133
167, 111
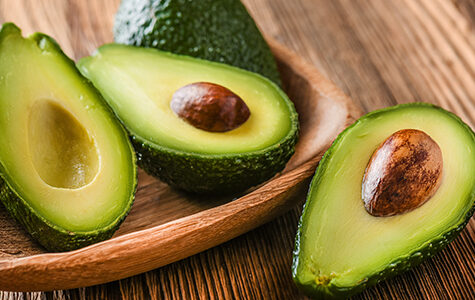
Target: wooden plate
166, 225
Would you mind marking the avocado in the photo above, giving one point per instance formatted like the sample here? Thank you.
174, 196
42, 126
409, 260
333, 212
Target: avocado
140, 83
216, 30
67, 168
342, 246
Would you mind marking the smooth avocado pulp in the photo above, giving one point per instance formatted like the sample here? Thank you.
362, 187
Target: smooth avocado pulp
139, 85
62, 152
67, 167
340, 247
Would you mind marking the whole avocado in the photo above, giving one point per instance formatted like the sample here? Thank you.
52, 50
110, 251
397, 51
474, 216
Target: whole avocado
216, 30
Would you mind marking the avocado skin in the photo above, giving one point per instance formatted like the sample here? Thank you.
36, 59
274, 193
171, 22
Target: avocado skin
216, 30
215, 174
399, 265
53, 237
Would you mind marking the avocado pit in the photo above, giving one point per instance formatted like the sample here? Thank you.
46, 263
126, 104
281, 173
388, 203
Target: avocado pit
402, 174
210, 107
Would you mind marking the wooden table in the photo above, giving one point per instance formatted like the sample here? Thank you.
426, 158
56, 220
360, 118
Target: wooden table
380, 52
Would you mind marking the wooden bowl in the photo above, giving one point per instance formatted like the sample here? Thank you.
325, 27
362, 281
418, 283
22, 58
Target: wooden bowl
166, 225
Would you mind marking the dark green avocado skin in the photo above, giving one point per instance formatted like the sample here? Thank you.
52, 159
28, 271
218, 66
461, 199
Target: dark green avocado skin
216, 30
53, 237
215, 174
398, 266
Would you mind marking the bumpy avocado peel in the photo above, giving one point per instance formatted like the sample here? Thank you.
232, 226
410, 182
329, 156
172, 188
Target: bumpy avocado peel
187, 170
216, 30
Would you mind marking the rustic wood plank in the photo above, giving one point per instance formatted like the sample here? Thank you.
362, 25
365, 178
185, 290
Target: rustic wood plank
380, 53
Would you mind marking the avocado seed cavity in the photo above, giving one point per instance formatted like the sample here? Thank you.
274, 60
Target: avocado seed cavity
402, 174
209, 107
62, 152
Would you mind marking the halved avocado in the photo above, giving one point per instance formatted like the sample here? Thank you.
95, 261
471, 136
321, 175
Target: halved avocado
139, 84
67, 169
340, 247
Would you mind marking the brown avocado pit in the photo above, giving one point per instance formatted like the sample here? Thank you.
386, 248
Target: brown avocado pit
402, 174
210, 107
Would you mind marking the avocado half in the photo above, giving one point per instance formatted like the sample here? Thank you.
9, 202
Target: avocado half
342, 249
67, 168
216, 30
138, 83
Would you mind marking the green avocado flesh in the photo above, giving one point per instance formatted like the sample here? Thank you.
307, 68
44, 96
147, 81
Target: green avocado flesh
216, 30
340, 247
138, 84
67, 168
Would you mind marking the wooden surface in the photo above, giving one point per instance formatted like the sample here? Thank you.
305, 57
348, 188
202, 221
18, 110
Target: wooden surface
166, 225
380, 53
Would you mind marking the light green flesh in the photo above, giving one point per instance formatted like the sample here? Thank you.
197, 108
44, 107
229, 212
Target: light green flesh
341, 244
61, 150
138, 84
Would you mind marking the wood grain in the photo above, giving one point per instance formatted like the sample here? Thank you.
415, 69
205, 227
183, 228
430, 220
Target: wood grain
380, 53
